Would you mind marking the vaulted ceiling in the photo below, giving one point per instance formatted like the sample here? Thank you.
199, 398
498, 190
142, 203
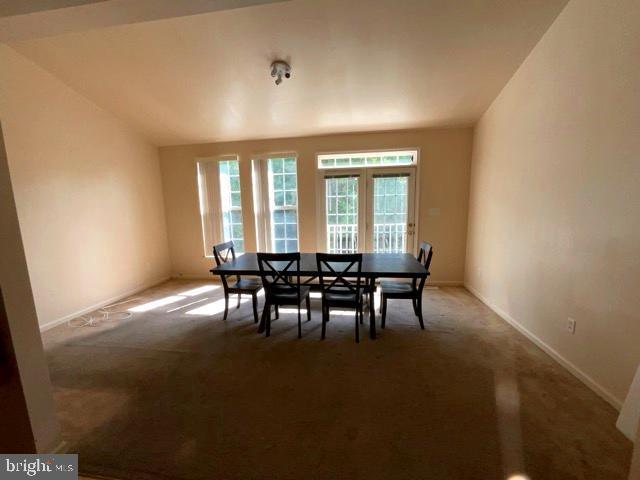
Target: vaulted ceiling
357, 65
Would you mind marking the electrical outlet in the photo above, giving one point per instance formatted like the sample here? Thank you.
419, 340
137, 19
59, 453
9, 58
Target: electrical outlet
571, 325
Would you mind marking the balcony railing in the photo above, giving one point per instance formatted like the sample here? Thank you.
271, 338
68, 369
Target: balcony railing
390, 237
387, 238
342, 238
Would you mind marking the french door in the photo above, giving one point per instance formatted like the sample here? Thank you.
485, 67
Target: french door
367, 210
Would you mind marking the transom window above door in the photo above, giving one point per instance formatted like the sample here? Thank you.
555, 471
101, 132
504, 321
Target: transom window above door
367, 159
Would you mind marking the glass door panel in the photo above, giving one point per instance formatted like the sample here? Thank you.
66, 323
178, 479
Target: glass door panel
342, 213
391, 213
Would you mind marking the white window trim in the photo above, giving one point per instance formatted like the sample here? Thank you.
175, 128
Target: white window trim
210, 200
261, 198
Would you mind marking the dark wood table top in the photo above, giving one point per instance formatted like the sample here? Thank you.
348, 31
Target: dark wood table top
399, 265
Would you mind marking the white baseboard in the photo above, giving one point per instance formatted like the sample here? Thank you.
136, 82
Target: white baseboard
54, 323
193, 276
445, 283
572, 368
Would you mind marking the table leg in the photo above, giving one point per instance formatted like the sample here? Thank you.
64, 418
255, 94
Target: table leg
372, 309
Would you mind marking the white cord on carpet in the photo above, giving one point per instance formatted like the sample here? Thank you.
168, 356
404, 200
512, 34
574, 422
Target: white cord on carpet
102, 315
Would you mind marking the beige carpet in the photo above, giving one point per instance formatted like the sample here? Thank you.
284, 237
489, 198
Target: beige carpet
186, 395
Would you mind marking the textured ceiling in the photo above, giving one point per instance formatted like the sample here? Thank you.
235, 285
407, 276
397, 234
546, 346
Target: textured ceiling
357, 66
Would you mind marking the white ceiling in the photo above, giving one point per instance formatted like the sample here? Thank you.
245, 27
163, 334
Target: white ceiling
357, 65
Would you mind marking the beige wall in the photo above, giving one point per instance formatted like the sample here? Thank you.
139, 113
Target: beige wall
88, 193
444, 179
554, 219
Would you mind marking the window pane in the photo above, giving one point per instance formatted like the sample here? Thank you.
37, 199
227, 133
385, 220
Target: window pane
290, 198
292, 230
275, 165
277, 182
230, 203
289, 165
328, 162
283, 199
290, 181
290, 216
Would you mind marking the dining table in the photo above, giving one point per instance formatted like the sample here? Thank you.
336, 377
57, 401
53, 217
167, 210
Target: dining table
374, 266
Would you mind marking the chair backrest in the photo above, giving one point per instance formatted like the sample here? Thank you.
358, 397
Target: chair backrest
277, 271
222, 253
339, 271
425, 253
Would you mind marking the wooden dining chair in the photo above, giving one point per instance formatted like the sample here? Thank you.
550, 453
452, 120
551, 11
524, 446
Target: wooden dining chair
408, 290
222, 253
280, 273
341, 286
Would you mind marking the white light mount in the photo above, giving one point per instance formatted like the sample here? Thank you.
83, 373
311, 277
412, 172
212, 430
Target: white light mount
280, 69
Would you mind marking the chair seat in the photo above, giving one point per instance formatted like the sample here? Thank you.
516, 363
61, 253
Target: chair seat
287, 295
396, 288
248, 284
335, 297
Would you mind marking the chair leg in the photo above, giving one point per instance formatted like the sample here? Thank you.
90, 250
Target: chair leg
360, 311
226, 307
414, 301
308, 308
383, 307
325, 314
419, 311
277, 313
267, 330
357, 328
254, 299
263, 319
299, 322
239, 295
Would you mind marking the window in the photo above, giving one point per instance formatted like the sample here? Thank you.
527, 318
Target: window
220, 202
283, 204
367, 159
230, 203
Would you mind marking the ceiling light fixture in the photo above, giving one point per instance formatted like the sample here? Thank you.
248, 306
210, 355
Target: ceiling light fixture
280, 69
